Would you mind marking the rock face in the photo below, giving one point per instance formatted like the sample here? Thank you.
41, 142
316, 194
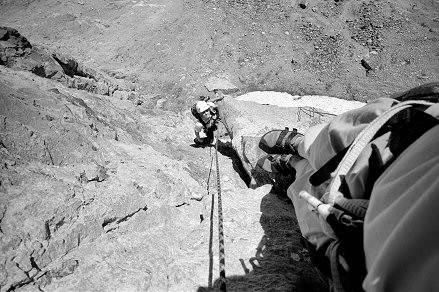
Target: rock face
221, 83
100, 189
312, 47
16, 52
12, 45
75, 169
99, 193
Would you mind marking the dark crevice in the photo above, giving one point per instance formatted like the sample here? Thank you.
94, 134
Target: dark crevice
70, 68
112, 223
181, 205
48, 151
59, 224
123, 219
22, 282
3, 145
34, 264
79, 239
29, 279
47, 228
226, 149
18, 285
108, 221
2, 215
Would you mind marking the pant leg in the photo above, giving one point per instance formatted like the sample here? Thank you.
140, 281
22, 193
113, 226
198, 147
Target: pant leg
314, 238
310, 224
210, 134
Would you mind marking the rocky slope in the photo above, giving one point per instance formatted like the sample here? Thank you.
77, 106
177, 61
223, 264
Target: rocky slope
99, 193
349, 49
100, 188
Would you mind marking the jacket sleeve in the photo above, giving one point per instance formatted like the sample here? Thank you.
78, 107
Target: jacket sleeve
198, 127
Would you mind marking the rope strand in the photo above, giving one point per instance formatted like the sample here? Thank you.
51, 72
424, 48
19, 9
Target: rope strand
222, 257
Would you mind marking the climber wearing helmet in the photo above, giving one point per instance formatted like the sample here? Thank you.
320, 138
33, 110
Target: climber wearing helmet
206, 114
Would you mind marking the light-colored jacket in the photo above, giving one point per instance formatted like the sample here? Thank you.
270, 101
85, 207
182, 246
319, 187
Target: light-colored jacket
401, 230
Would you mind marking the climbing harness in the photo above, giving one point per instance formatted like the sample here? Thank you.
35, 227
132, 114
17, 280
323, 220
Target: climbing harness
222, 257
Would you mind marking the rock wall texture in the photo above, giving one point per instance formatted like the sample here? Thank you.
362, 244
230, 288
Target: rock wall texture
75, 168
357, 49
17, 52
100, 188
99, 193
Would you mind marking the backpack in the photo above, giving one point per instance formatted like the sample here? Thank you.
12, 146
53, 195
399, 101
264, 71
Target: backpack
343, 259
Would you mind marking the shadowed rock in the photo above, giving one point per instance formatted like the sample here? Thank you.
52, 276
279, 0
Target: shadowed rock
12, 46
16, 52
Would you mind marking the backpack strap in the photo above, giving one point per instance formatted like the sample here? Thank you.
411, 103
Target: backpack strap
360, 142
324, 172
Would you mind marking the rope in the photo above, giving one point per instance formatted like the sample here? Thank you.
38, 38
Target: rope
222, 256
212, 208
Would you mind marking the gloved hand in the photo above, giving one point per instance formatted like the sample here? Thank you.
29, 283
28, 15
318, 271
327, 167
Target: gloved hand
211, 125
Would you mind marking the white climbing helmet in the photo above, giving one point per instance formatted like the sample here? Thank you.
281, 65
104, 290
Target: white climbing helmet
201, 106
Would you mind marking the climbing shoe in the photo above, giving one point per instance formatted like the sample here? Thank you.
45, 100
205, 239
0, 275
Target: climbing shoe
280, 141
276, 163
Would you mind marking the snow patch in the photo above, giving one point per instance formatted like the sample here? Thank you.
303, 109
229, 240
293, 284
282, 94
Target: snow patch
327, 104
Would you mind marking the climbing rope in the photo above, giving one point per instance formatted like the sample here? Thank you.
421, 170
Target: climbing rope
222, 256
